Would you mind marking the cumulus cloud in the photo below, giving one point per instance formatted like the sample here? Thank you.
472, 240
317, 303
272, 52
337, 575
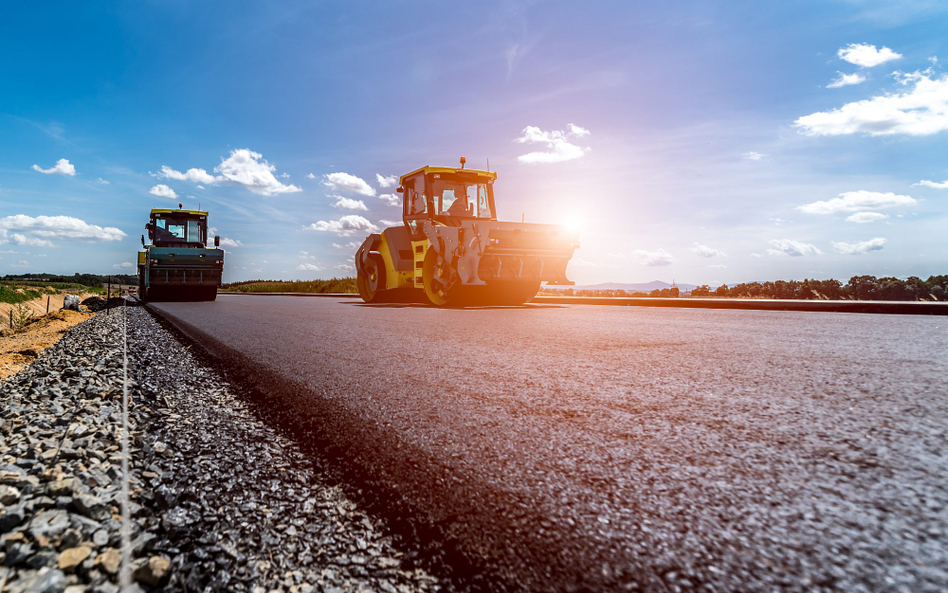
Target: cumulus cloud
243, 167
659, 257
558, 145
864, 217
390, 222
859, 248
386, 181
390, 199
854, 201
350, 183
311, 176
933, 184
162, 191
705, 251
349, 245
62, 167
792, 248
27, 230
308, 267
249, 169
920, 111
345, 226
345, 267
846, 80
102, 181
18, 239
194, 175
348, 203
125, 265
865, 55
753, 156
226, 242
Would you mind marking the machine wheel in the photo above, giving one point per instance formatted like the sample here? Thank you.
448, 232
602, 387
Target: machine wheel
371, 279
210, 293
433, 276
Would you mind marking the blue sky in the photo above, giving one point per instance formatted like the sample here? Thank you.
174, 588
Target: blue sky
704, 142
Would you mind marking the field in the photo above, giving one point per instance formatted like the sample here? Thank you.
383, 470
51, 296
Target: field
318, 286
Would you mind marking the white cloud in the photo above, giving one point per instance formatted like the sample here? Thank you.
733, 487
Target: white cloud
125, 265
349, 245
345, 226
39, 230
705, 251
285, 175
718, 266
308, 267
920, 111
311, 176
753, 156
859, 248
306, 255
162, 191
559, 148
933, 184
854, 201
62, 167
386, 181
390, 199
863, 217
390, 222
102, 181
226, 242
345, 182
792, 248
18, 239
345, 267
249, 169
193, 175
348, 203
654, 258
846, 80
865, 55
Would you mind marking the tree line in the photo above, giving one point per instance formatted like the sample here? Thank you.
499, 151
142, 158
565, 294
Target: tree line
77, 278
860, 288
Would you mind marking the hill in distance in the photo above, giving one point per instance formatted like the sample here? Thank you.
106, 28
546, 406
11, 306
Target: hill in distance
630, 287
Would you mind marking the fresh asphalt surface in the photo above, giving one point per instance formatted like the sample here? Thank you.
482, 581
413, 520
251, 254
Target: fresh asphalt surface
586, 447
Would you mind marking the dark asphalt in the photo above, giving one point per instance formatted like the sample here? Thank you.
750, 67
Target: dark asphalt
585, 447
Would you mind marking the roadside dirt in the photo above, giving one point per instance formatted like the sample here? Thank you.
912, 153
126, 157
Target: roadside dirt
19, 349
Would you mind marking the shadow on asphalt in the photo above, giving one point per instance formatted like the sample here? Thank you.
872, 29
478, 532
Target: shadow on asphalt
423, 306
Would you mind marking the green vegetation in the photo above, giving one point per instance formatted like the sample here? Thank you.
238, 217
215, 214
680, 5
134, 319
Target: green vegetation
334, 285
93, 280
860, 288
20, 315
11, 295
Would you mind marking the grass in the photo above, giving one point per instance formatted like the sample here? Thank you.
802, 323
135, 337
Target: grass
333, 285
22, 291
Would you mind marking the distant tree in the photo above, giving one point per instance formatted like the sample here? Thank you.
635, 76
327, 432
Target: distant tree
701, 291
721, 290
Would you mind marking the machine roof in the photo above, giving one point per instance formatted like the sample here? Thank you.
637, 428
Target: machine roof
175, 210
429, 169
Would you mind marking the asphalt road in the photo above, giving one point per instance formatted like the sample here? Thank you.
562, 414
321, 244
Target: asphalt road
585, 447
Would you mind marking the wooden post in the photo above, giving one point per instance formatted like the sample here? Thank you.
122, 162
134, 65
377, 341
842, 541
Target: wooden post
47, 304
108, 298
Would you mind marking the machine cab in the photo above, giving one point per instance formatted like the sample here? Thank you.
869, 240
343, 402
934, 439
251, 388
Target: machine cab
447, 196
177, 228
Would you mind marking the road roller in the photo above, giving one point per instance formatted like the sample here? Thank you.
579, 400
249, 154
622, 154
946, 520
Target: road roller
451, 251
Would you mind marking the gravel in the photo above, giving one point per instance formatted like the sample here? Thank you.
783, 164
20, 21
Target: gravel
219, 500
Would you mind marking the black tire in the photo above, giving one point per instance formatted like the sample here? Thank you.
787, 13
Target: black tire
210, 294
513, 292
370, 279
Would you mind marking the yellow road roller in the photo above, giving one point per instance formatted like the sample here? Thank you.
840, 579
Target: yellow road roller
452, 251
